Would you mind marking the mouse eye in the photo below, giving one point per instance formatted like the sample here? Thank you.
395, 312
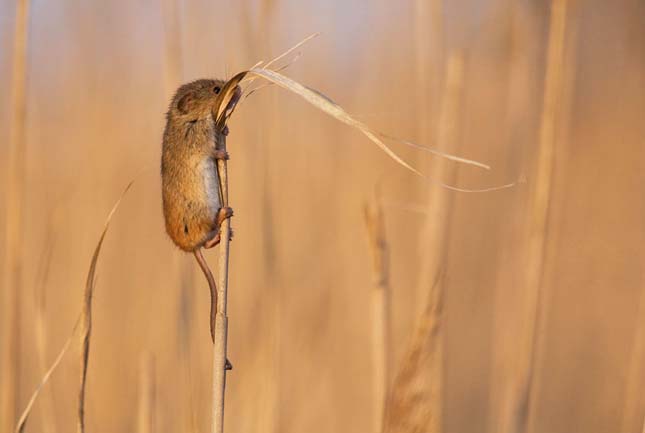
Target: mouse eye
216, 90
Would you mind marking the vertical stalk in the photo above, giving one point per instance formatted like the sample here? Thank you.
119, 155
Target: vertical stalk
48, 417
635, 374
147, 393
12, 270
416, 399
524, 394
375, 222
221, 321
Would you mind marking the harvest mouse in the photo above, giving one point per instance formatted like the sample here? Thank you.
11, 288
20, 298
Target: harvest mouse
192, 200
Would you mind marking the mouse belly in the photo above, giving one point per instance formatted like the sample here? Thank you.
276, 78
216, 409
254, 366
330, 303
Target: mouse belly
210, 179
191, 205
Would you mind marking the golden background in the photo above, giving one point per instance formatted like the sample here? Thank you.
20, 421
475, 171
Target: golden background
470, 77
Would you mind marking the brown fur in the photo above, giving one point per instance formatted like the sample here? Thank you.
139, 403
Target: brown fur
190, 202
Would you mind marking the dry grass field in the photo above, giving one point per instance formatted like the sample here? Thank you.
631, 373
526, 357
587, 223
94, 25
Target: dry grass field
520, 310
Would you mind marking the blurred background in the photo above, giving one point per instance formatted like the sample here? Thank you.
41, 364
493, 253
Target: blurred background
517, 310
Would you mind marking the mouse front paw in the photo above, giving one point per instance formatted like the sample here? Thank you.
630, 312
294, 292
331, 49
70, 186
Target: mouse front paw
221, 154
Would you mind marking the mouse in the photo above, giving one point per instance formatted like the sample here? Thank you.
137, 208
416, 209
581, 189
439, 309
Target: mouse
191, 190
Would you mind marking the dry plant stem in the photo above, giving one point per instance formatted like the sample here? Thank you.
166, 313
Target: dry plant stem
172, 39
89, 287
86, 316
412, 402
519, 107
633, 410
48, 418
221, 324
22, 422
415, 403
375, 223
523, 393
147, 390
86, 333
428, 52
12, 271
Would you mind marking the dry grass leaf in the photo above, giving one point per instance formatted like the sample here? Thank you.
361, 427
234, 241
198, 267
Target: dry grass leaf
327, 105
86, 314
22, 422
86, 321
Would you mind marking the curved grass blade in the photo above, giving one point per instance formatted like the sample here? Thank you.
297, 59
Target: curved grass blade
86, 314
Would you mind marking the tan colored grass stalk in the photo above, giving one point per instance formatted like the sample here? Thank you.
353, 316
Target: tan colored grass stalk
48, 417
147, 394
519, 105
172, 38
428, 26
415, 403
375, 222
15, 184
221, 321
523, 392
269, 410
184, 349
86, 316
634, 395
22, 421
83, 317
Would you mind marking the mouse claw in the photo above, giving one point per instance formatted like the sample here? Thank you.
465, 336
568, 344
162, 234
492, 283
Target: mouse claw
228, 366
225, 130
214, 241
221, 154
222, 214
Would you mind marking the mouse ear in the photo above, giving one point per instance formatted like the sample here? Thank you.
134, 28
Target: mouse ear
186, 103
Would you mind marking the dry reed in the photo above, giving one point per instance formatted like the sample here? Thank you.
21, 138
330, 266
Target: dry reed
147, 394
172, 45
416, 402
523, 392
48, 417
15, 189
22, 422
86, 315
375, 223
633, 408
221, 321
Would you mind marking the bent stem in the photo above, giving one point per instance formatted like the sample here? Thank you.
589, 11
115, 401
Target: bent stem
221, 324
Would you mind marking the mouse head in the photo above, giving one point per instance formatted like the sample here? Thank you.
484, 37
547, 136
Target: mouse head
196, 100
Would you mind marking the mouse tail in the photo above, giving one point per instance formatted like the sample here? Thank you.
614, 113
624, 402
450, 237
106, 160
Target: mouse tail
211, 285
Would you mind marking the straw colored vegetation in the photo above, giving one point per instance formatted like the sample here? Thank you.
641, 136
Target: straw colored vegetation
518, 309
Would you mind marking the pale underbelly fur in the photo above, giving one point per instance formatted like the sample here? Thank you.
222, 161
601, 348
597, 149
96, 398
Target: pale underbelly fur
211, 184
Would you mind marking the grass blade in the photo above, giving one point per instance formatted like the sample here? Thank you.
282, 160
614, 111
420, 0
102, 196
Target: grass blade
86, 314
22, 422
